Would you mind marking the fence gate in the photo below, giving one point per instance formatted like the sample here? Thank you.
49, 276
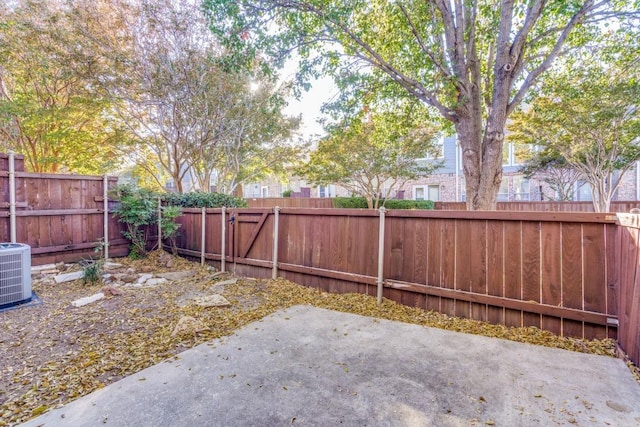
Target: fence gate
247, 231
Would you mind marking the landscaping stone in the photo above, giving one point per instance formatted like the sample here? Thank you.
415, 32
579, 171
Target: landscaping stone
166, 260
128, 278
214, 300
142, 279
111, 291
188, 325
227, 282
87, 300
112, 265
177, 275
217, 289
155, 282
41, 268
68, 277
149, 283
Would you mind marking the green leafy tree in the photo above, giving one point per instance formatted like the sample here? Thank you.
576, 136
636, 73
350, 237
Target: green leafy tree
551, 167
472, 61
49, 109
589, 117
372, 155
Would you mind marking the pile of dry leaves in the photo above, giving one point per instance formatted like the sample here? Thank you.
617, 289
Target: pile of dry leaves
55, 352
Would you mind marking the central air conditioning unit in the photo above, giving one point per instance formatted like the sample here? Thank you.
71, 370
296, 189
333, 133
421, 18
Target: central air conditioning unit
15, 274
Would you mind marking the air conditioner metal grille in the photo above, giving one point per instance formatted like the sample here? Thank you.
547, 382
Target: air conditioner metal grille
15, 273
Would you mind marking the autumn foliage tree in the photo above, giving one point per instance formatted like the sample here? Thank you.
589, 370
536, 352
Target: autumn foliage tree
49, 109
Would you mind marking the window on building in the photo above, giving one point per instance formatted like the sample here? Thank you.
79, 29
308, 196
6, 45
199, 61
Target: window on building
418, 193
516, 154
323, 191
433, 192
264, 191
583, 191
426, 192
521, 188
503, 192
255, 192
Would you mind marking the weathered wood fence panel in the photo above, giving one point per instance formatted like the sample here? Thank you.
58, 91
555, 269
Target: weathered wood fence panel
550, 270
523, 270
629, 279
544, 206
60, 216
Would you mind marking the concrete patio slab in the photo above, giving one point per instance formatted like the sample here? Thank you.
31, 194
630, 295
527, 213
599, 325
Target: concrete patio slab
315, 367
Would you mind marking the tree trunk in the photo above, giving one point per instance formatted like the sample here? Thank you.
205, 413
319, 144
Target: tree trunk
482, 161
177, 179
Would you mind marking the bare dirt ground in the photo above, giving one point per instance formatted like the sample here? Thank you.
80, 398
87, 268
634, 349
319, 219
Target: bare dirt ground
54, 352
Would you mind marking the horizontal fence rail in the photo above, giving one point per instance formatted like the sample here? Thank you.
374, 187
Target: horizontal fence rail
554, 271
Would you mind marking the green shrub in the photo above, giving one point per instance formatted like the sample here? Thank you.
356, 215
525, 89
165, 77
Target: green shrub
349, 203
137, 208
409, 204
287, 193
169, 226
361, 203
199, 199
92, 270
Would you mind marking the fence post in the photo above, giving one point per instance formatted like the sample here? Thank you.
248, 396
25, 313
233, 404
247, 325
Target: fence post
12, 196
203, 235
160, 224
223, 243
276, 217
105, 185
381, 255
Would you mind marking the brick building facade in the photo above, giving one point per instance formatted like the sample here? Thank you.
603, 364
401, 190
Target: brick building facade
447, 183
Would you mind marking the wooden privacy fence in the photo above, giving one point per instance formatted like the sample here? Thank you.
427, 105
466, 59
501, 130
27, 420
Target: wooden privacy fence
557, 271
629, 285
544, 206
62, 217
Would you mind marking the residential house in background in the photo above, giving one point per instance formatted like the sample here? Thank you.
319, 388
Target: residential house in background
447, 184
298, 186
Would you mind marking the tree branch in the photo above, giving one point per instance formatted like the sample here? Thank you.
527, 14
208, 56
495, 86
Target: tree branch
546, 64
